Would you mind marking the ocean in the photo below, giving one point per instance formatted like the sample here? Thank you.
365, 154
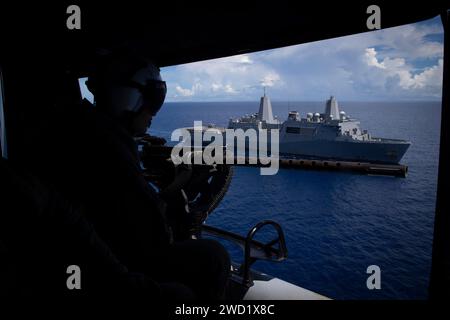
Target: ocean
337, 224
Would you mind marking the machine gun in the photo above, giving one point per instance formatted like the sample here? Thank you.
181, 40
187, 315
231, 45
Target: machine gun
198, 188
203, 187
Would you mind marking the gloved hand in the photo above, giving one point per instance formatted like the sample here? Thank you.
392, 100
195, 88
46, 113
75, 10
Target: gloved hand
182, 176
193, 195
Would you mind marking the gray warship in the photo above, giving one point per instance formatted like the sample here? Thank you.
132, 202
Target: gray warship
331, 135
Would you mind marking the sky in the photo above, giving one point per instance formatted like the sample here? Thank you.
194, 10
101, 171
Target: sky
400, 63
403, 63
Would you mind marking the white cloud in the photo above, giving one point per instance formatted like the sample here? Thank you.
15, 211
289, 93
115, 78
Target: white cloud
396, 63
229, 89
245, 59
216, 87
430, 77
270, 79
224, 78
184, 92
372, 59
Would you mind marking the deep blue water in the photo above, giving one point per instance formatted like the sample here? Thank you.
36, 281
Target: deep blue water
337, 224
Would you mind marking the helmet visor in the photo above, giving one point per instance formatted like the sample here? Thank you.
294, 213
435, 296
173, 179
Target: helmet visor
153, 94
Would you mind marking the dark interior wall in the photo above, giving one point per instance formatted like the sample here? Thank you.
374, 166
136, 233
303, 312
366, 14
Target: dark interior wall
32, 89
176, 32
440, 269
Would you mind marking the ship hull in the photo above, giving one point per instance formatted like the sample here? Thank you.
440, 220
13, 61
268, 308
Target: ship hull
384, 151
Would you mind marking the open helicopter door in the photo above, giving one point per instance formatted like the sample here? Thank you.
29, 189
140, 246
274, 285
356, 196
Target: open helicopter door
249, 284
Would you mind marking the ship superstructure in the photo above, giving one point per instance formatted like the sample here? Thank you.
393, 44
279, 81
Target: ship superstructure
331, 135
